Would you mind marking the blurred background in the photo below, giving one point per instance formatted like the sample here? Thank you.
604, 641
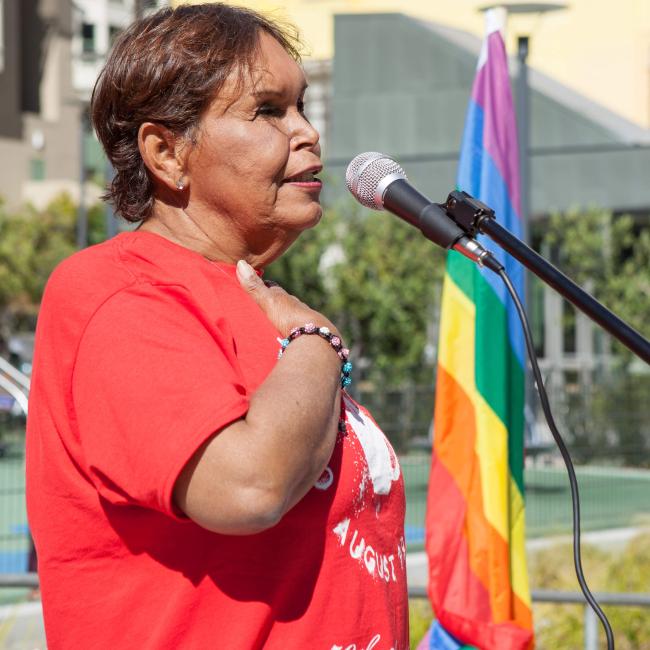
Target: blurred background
393, 77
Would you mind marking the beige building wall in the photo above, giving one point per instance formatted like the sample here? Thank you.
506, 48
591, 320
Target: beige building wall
599, 48
41, 48
49, 136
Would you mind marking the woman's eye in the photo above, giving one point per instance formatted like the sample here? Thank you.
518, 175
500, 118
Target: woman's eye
269, 110
301, 106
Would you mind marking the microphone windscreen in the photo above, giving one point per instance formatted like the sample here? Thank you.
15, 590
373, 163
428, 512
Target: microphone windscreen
365, 174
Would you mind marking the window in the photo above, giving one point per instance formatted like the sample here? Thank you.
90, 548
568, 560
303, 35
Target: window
113, 33
37, 169
87, 38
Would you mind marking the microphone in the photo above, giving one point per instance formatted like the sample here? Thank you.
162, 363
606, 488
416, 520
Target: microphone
379, 183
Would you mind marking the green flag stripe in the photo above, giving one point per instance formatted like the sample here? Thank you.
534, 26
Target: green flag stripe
498, 374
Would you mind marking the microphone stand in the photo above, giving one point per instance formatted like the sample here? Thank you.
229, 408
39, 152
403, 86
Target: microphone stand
474, 217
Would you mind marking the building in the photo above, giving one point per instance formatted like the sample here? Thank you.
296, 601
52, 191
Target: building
400, 84
408, 98
599, 49
378, 81
39, 114
50, 54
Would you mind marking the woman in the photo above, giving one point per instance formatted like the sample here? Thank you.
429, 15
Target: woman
187, 488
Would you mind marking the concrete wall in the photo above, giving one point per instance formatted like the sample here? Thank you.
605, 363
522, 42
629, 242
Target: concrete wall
10, 122
401, 86
599, 47
40, 118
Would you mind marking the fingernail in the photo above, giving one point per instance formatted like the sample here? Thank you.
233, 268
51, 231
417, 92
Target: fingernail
245, 270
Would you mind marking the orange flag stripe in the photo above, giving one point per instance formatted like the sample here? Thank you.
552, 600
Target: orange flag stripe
488, 550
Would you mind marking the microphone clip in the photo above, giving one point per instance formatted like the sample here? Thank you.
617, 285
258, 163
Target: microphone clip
467, 212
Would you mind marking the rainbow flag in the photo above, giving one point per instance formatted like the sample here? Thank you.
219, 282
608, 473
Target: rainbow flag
478, 581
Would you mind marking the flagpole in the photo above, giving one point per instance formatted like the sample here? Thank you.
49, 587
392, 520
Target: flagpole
522, 108
477, 465
523, 123
522, 94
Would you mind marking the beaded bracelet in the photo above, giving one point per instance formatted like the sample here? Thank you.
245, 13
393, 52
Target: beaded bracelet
332, 339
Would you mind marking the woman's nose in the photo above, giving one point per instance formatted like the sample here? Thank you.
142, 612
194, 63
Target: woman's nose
304, 133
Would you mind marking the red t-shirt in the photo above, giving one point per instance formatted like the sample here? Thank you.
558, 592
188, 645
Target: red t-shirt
144, 349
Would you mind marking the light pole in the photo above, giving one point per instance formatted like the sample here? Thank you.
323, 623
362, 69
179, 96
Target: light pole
109, 213
82, 214
522, 96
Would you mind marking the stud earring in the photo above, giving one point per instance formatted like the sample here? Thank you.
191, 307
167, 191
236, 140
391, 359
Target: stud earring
180, 185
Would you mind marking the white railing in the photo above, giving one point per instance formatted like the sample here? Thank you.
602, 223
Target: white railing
14, 373
16, 383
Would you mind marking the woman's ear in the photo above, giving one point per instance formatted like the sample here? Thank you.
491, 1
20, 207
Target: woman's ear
161, 152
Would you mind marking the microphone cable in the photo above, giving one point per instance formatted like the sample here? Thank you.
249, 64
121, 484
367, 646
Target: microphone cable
369, 177
573, 482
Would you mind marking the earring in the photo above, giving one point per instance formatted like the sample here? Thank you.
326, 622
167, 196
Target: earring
180, 185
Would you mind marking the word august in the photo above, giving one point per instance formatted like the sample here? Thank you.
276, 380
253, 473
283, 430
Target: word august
363, 552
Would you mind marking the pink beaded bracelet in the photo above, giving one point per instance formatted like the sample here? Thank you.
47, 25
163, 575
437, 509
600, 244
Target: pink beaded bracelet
332, 339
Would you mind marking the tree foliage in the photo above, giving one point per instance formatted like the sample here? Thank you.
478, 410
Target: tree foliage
32, 243
373, 275
608, 253
379, 280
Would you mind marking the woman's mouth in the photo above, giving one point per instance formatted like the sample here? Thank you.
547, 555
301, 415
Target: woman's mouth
308, 180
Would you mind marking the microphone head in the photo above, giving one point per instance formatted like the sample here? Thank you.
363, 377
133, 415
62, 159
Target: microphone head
368, 175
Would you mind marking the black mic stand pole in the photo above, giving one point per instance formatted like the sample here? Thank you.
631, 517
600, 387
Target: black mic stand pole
475, 217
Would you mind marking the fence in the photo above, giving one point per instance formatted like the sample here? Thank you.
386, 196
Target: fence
603, 416
611, 496
592, 626
14, 534
606, 426
14, 538
614, 477
608, 434
591, 622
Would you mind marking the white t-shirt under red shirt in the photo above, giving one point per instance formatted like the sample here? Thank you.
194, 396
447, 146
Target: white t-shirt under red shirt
144, 349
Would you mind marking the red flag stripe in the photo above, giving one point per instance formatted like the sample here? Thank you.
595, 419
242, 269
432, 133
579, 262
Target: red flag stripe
489, 566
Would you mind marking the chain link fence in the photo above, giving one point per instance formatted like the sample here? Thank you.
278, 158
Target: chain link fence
605, 420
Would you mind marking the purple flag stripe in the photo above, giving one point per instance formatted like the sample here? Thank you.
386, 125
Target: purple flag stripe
491, 92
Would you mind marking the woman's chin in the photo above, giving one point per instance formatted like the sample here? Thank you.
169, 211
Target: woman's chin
315, 217
303, 218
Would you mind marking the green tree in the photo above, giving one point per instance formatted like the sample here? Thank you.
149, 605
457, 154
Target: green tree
379, 280
608, 253
32, 243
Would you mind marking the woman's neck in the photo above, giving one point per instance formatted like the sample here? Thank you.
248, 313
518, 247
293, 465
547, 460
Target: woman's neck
215, 241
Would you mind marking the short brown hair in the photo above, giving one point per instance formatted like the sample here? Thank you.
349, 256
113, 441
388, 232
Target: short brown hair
167, 68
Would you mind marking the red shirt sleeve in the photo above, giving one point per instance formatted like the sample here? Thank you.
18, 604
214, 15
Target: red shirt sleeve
153, 380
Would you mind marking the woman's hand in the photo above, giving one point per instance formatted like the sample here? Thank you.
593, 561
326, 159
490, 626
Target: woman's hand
247, 476
281, 308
